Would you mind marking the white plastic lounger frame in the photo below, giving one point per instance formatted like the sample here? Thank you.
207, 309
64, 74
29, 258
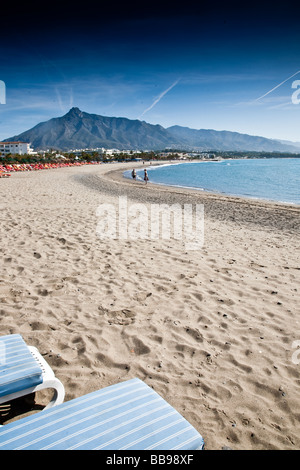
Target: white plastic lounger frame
49, 381
23, 365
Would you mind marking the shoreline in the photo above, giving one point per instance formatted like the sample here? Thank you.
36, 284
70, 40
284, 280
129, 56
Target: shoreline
215, 193
212, 330
212, 193
224, 207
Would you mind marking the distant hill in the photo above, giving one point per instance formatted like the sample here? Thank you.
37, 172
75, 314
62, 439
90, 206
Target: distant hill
209, 139
78, 129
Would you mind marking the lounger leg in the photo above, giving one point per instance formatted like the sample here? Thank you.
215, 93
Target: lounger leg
54, 383
49, 380
58, 396
58, 391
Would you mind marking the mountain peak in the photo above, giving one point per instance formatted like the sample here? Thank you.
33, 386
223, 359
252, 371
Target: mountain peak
75, 112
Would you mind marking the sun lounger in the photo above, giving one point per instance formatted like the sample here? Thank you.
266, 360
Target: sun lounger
23, 371
128, 415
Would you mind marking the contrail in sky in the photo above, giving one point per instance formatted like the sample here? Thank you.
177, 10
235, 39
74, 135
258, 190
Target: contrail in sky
160, 97
59, 98
277, 86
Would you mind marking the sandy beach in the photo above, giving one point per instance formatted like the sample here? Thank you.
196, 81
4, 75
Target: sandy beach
212, 330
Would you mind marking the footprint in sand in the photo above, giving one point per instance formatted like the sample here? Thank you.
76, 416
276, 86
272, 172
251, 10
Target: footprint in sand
119, 317
140, 348
198, 296
108, 362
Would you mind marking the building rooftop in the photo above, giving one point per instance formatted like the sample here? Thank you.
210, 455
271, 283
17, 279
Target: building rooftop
18, 142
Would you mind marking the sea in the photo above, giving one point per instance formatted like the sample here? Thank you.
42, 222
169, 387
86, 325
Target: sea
271, 179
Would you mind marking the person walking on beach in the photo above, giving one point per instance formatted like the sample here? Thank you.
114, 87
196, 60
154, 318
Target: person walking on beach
133, 174
146, 178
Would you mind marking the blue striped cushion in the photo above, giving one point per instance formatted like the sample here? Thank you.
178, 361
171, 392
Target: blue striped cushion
128, 415
18, 369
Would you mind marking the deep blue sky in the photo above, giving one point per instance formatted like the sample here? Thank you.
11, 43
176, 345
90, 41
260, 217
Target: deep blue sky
197, 66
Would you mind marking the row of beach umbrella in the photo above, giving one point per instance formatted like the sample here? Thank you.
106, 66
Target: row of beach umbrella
6, 170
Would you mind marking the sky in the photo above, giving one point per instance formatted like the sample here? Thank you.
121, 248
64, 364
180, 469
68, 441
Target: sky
226, 66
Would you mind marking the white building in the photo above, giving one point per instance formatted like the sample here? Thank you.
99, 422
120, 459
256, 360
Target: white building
19, 148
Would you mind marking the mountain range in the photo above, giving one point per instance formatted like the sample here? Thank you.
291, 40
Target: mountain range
78, 129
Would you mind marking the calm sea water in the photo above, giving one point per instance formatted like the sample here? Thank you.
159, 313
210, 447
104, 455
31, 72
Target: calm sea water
275, 179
